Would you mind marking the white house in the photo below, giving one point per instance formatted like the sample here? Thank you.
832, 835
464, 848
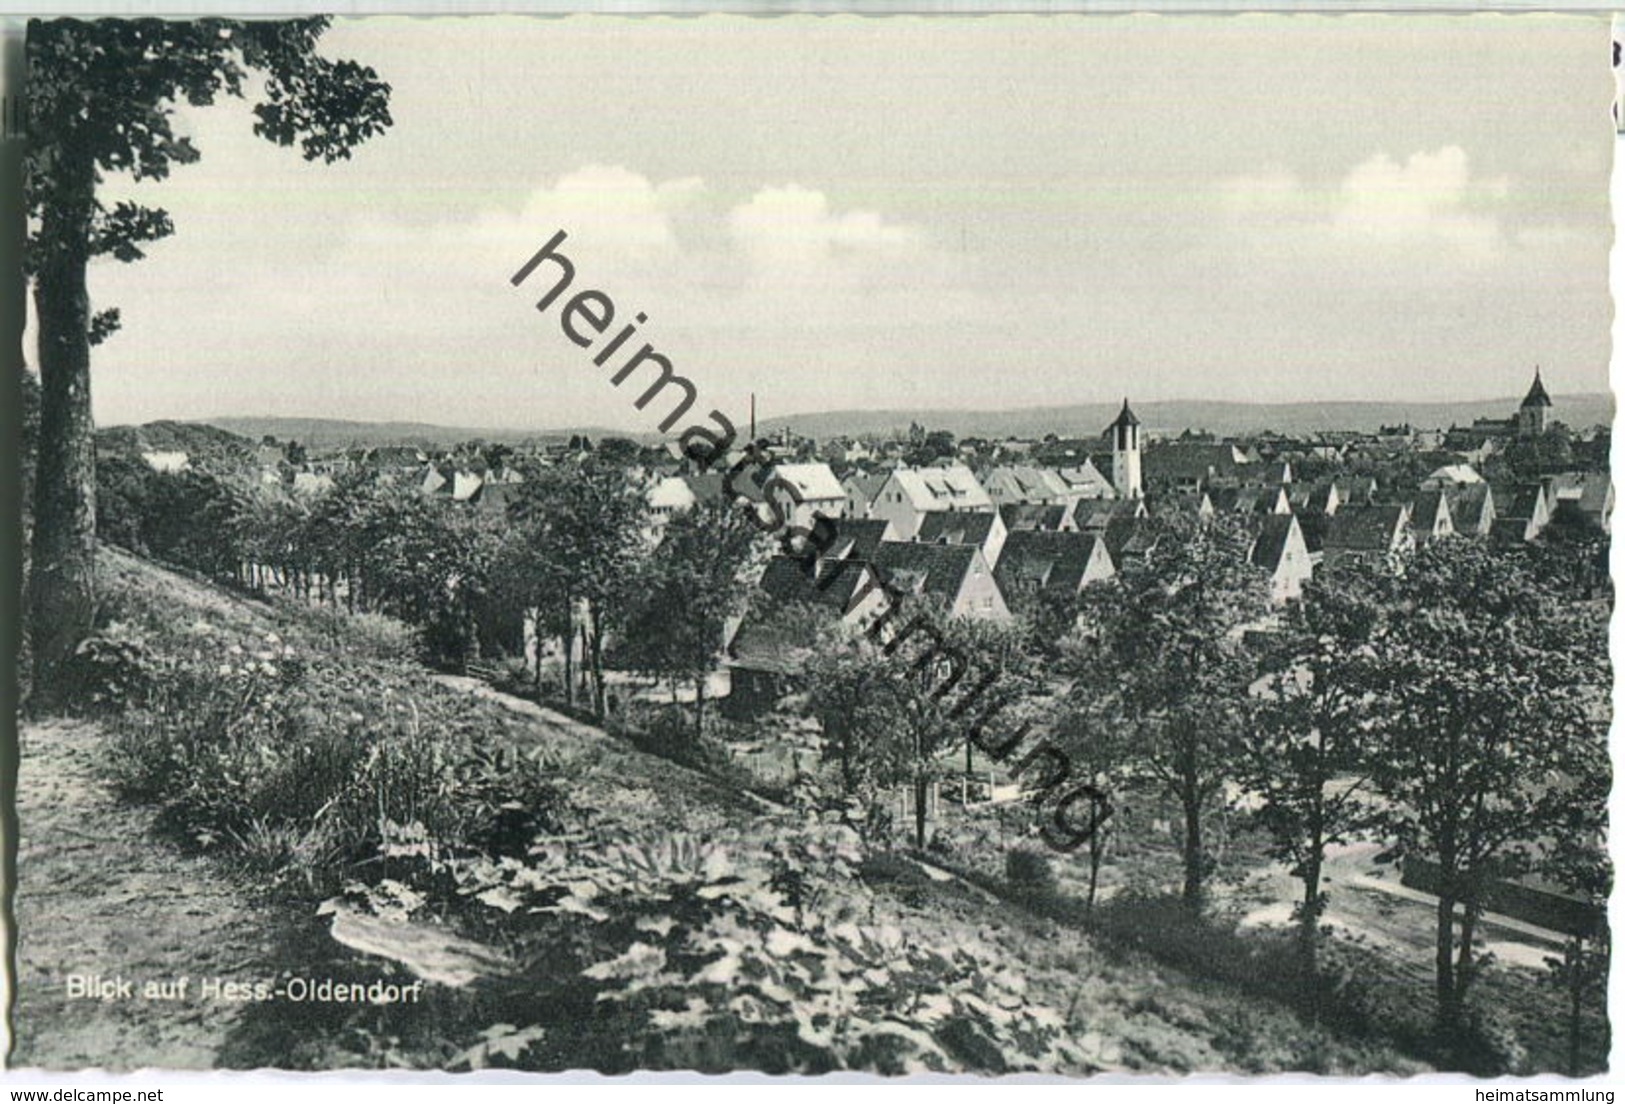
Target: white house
1451, 475
911, 493
805, 490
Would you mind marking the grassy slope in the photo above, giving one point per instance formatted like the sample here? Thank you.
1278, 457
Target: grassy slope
1158, 1019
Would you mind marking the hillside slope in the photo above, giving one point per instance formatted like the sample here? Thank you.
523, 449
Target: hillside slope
1120, 1010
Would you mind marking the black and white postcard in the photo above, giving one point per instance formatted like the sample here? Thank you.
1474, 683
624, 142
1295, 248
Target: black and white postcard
1067, 545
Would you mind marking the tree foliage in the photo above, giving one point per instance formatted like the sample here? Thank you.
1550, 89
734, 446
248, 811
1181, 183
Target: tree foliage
1491, 743
579, 538
1304, 752
687, 593
102, 97
1166, 636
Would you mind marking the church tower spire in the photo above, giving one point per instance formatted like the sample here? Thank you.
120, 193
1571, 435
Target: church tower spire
1125, 435
1532, 412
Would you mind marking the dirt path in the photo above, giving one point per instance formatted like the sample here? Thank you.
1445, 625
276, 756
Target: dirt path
99, 895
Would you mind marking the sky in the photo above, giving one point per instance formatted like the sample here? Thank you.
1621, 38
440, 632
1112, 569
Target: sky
842, 212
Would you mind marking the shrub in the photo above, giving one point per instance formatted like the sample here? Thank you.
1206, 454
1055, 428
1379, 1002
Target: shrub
112, 670
1488, 1045
367, 635
1030, 874
302, 767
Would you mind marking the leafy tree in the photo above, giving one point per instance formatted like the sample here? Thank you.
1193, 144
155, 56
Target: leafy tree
1493, 705
579, 530
1578, 861
101, 98
883, 720
1047, 614
688, 591
1525, 459
123, 486
192, 518
1572, 552
619, 451
893, 712
1303, 752
1100, 750
928, 446
1166, 634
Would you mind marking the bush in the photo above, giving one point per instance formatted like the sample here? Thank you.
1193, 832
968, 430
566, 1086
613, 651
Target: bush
1030, 874
302, 768
367, 635
111, 671
1488, 1045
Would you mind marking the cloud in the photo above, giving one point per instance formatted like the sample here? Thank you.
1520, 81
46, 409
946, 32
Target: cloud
793, 227
1428, 205
613, 207
1430, 200
425, 311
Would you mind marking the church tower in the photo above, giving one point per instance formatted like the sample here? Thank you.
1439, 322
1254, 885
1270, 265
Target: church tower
1532, 413
1125, 435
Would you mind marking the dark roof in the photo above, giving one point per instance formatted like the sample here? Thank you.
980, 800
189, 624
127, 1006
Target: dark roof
1190, 461
1356, 487
1467, 503
1313, 499
1125, 417
857, 538
1096, 514
1364, 528
1054, 561
921, 569
1245, 500
1183, 502
957, 527
1524, 500
1314, 530
785, 579
1125, 535
1537, 394
772, 636
1032, 515
1425, 511
867, 485
1273, 532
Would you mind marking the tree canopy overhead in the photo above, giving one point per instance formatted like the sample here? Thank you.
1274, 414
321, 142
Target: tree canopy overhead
102, 96
101, 99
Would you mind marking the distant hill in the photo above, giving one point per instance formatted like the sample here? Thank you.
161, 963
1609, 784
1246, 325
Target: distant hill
1072, 420
205, 443
1090, 419
331, 432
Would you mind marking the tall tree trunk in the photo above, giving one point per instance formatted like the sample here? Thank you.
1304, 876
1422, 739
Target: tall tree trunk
62, 591
920, 786
569, 649
1444, 976
1464, 955
596, 646
1575, 953
1194, 859
699, 706
1309, 921
1097, 849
